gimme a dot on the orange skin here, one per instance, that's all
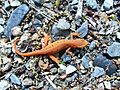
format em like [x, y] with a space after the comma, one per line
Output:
[54, 47]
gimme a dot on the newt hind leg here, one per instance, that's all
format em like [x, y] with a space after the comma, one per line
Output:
[47, 38]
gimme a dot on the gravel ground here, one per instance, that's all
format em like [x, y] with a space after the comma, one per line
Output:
[93, 67]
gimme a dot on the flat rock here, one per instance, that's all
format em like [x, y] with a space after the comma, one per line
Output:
[4, 85]
[57, 32]
[14, 79]
[15, 19]
[83, 29]
[107, 85]
[92, 3]
[85, 61]
[63, 24]
[118, 35]
[114, 50]
[14, 3]
[105, 63]
[92, 45]
[97, 72]
[107, 4]
[1, 29]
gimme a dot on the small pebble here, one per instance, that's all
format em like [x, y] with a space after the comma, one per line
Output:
[118, 35]
[107, 85]
[16, 31]
[92, 45]
[66, 58]
[1, 29]
[14, 3]
[114, 50]
[70, 69]
[38, 2]
[92, 3]
[63, 24]
[40, 84]
[85, 61]
[97, 72]
[4, 85]
[19, 60]
[35, 36]
[14, 79]
[53, 70]
[107, 5]
[6, 60]
[6, 67]
[100, 86]
[83, 29]
[56, 32]
[2, 21]
[48, 5]
[37, 23]
[27, 82]
[52, 77]
[6, 4]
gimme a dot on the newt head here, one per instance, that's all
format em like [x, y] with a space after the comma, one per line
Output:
[78, 43]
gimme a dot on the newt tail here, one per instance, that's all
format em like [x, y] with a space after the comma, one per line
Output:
[53, 47]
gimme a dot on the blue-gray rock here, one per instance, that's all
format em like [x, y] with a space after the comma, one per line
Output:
[63, 24]
[14, 79]
[105, 63]
[92, 3]
[15, 19]
[85, 61]
[37, 23]
[97, 72]
[66, 58]
[38, 2]
[74, 76]
[114, 50]
[107, 4]
[56, 32]
[92, 45]
[83, 30]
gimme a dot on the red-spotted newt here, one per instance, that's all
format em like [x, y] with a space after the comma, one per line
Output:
[53, 47]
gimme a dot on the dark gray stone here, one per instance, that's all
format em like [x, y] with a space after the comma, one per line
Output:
[105, 63]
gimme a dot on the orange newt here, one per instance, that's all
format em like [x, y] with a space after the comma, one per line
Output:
[53, 47]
